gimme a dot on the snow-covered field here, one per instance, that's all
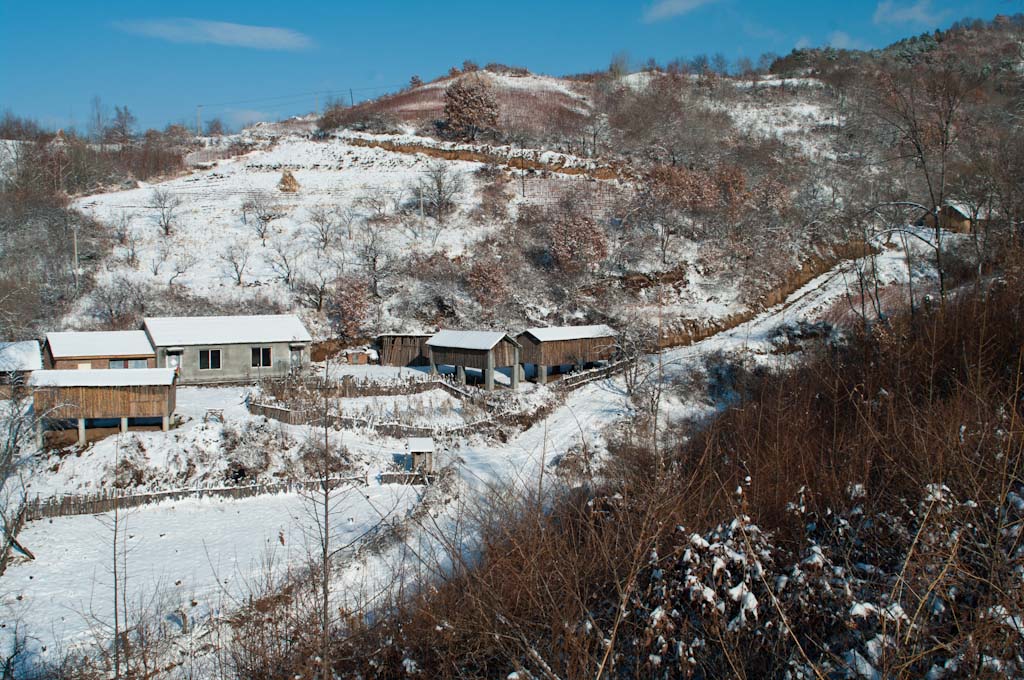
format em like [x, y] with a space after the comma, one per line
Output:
[191, 557]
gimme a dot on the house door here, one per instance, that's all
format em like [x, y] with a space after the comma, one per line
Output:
[173, 361]
[296, 359]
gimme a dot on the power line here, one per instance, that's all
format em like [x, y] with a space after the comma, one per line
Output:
[339, 91]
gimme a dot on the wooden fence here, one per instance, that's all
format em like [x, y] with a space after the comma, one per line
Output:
[576, 380]
[107, 501]
[10, 539]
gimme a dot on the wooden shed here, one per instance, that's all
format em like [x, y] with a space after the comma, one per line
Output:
[560, 345]
[957, 217]
[98, 349]
[482, 350]
[117, 393]
[403, 349]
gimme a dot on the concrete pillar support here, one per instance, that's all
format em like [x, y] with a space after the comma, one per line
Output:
[542, 374]
[81, 431]
[124, 424]
[515, 370]
[165, 423]
[489, 372]
[39, 434]
[460, 374]
[430, 356]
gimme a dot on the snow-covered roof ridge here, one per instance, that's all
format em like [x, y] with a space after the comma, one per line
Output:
[109, 377]
[171, 331]
[556, 333]
[68, 344]
[478, 340]
[20, 356]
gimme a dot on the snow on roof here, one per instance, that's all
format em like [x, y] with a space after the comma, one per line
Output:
[99, 344]
[226, 330]
[466, 339]
[103, 377]
[419, 444]
[20, 356]
[556, 333]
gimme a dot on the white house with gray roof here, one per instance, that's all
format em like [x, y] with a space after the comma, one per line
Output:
[225, 349]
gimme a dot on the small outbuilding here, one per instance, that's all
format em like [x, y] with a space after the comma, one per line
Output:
[18, 360]
[482, 350]
[146, 395]
[561, 345]
[98, 349]
[225, 349]
[421, 453]
[957, 217]
[403, 349]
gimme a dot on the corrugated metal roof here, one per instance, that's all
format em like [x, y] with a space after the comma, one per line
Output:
[103, 377]
[226, 330]
[99, 344]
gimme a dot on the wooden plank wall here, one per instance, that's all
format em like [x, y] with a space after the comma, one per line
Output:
[504, 355]
[403, 350]
[553, 353]
[105, 402]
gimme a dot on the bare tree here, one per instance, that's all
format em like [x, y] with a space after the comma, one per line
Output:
[236, 260]
[326, 224]
[315, 282]
[184, 260]
[926, 110]
[438, 191]
[284, 258]
[261, 205]
[376, 257]
[166, 205]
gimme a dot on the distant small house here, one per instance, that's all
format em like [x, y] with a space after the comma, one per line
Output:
[560, 345]
[98, 349]
[482, 350]
[403, 349]
[145, 396]
[958, 217]
[219, 349]
[17, 362]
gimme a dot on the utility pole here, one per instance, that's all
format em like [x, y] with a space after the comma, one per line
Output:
[74, 242]
[199, 119]
[351, 98]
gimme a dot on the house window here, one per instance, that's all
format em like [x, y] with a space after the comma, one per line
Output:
[209, 359]
[127, 363]
[261, 357]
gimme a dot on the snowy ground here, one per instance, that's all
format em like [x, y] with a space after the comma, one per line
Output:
[199, 557]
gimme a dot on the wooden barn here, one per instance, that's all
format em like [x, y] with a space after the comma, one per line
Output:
[957, 217]
[98, 349]
[561, 345]
[123, 394]
[481, 350]
[18, 360]
[403, 349]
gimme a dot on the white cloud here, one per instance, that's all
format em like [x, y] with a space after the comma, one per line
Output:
[803, 42]
[919, 12]
[841, 40]
[666, 9]
[218, 33]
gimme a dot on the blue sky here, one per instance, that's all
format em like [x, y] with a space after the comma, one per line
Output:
[253, 59]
